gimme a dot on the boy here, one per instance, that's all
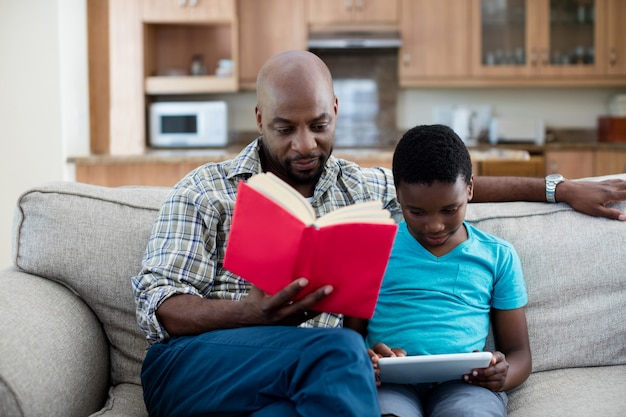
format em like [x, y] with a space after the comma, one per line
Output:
[444, 282]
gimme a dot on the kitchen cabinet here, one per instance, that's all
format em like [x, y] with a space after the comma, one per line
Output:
[609, 161]
[534, 167]
[616, 43]
[144, 49]
[262, 29]
[353, 12]
[435, 45]
[188, 11]
[570, 163]
[555, 40]
[177, 32]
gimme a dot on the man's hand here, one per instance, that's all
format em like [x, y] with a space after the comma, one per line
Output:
[259, 308]
[591, 197]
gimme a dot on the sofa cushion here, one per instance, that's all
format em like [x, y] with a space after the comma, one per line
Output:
[41, 324]
[574, 270]
[125, 400]
[583, 392]
[92, 240]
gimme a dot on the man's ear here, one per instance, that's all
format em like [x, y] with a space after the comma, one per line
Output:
[259, 119]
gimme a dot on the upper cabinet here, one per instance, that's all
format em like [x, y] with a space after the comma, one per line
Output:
[435, 45]
[359, 12]
[513, 43]
[190, 46]
[263, 26]
[557, 40]
[188, 11]
[616, 43]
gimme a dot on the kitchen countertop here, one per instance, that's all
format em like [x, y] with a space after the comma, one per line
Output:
[482, 151]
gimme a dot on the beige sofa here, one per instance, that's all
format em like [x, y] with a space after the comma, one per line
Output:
[70, 346]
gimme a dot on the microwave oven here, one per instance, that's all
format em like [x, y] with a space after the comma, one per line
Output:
[188, 124]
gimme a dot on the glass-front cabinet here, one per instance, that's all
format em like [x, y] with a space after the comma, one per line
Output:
[540, 38]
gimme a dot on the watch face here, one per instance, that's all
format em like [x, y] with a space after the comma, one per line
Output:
[554, 177]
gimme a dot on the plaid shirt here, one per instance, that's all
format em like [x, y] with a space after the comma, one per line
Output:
[188, 241]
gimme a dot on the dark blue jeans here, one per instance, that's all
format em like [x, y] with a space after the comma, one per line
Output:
[261, 371]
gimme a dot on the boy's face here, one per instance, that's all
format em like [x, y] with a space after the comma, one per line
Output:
[435, 213]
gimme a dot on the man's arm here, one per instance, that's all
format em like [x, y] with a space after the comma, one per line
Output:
[589, 197]
[187, 314]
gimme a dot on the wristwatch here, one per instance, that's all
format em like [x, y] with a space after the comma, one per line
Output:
[552, 181]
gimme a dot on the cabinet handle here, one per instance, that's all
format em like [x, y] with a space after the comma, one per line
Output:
[359, 4]
[348, 5]
[533, 57]
[613, 57]
[193, 3]
[182, 3]
[406, 58]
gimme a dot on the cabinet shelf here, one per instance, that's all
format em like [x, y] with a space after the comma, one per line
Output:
[190, 85]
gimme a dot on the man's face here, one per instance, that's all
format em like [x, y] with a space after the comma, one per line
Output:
[435, 213]
[298, 128]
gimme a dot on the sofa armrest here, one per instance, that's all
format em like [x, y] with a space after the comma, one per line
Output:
[52, 347]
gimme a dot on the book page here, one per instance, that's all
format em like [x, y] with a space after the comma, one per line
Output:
[366, 212]
[283, 194]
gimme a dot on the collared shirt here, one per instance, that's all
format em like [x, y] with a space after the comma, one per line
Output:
[186, 249]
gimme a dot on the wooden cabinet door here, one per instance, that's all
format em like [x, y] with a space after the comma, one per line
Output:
[616, 43]
[325, 12]
[329, 11]
[539, 39]
[266, 28]
[610, 162]
[502, 34]
[375, 11]
[188, 11]
[435, 42]
[570, 163]
[572, 37]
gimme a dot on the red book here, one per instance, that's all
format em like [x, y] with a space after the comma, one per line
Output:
[275, 239]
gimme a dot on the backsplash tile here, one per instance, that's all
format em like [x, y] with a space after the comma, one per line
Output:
[366, 84]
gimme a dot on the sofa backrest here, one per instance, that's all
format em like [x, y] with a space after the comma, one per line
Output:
[92, 240]
[575, 271]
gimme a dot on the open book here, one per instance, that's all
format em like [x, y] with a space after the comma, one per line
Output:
[275, 238]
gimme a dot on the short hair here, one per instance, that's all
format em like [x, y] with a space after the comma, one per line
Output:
[430, 153]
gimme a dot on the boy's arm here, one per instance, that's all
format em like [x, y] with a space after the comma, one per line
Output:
[512, 362]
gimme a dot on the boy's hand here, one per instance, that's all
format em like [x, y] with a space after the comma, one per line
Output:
[493, 377]
[381, 350]
[374, 357]
[384, 351]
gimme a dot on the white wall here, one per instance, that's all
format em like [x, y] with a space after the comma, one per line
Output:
[43, 98]
[559, 107]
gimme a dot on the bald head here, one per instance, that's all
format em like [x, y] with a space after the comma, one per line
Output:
[298, 72]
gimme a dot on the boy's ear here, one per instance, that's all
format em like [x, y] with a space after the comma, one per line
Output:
[470, 189]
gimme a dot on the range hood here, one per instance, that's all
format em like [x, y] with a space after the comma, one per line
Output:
[354, 40]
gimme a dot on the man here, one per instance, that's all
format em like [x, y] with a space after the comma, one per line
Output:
[223, 347]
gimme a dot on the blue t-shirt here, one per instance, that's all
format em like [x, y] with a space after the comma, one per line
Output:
[433, 305]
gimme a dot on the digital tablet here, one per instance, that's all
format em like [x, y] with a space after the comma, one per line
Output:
[430, 368]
